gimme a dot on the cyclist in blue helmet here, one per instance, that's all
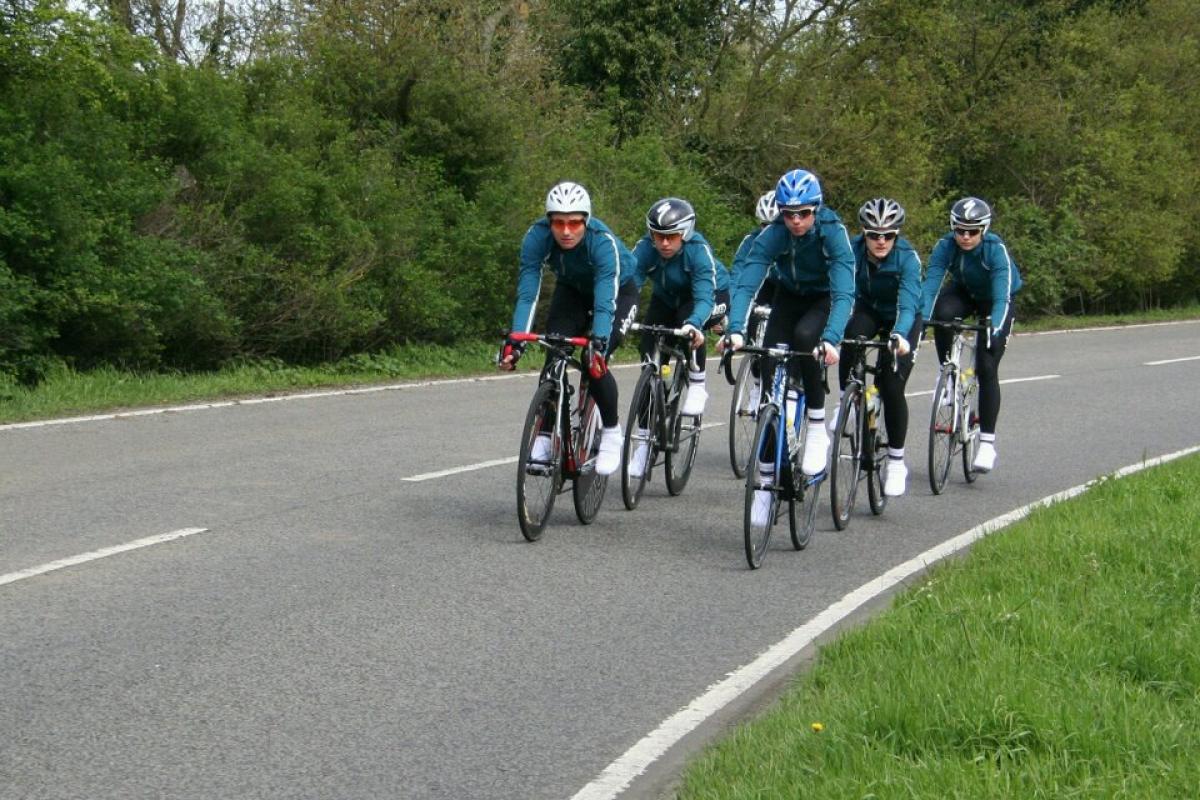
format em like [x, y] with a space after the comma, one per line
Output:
[888, 300]
[593, 270]
[982, 279]
[809, 249]
[690, 290]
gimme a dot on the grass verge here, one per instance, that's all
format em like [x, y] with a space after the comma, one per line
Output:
[66, 391]
[1060, 659]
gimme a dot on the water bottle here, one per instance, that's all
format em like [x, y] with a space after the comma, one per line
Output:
[791, 405]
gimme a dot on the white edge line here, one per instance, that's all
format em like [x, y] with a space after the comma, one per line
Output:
[252, 401]
[618, 775]
[13, 577]
[456, 470]
[1169, 361]
[1003, 382]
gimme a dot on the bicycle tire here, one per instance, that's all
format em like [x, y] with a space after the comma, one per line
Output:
[742, 421]
[588, 487]
[875, 458]
[846, 458]
[642, 407]
[538, 483]
[683, 434]
[757, 537]
[804, 522]
[970, 427]
[941, 432]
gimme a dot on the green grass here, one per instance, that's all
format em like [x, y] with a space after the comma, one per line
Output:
[65, 391]
[1056, 323]
[1061, 659]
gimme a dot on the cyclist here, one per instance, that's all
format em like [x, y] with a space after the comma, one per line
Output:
[690, 290]
[888, 300]
[589, 262]
[814, 272]
[765, 211]
[982, 281]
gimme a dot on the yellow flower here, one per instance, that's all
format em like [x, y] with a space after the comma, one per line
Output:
[817, 727]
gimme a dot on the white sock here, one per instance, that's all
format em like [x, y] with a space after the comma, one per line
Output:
[896, 452]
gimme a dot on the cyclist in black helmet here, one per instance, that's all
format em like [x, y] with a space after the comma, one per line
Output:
[982, 281]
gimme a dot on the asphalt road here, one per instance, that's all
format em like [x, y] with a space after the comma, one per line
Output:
[339, 632]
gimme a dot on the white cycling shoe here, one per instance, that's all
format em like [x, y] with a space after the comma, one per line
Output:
[641, 454]
[697, 398]
[608, 460]
[985, 458]
[816, 448]
[897, 475]
[540, 451]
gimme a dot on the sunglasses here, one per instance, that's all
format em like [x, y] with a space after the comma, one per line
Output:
[560, 224]
[799, 213]
[876, 236]
[967, 233]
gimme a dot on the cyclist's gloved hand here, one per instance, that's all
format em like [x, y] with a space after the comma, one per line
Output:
[826, 353]
[510, 352]
[900, 345]
[695, 337]
[730, 341]
[597, 360]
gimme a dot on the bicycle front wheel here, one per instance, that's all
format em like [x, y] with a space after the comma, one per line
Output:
[743, 415]
[684, 436]
[941, 430]
[639, 450]
[761, 509]
[589, 487]
[847, 456]
[539, 465]
[969, 425]
[803, 520]
[875, 460]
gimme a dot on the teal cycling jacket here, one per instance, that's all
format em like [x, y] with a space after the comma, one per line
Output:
[694, 273]
[893, 287]
[988, 274]
[597, 265]
[819, 262]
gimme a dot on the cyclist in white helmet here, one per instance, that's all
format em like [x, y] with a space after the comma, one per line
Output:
[981, 279]
[765, 211]
[592, 267]
[888, 281]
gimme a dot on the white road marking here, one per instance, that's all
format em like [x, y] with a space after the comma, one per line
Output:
[497, 462]
[13, 577]
[1169, 361]
[1003, 382]
[618, 775]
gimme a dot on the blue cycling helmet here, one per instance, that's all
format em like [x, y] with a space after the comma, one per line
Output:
[798, 188]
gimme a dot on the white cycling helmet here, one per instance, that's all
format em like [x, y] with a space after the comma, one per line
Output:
[881, 214]
[566, 197]
[765, 209]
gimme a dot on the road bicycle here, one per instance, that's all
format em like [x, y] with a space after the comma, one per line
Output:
[654, 419]
[778, 450]
[561, 437]
[954, 417]
[743, 408]
[859, 437]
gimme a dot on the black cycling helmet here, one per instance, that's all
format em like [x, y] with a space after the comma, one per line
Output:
[672, 215]
[972, 213]
[881, 215]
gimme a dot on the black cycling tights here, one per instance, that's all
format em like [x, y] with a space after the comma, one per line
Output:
[868, 323]
[955, 303]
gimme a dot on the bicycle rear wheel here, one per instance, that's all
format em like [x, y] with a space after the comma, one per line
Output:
[589, 487]
[684, 436]
[758, 532]
[847, 456]
[641, 429]
[969, 425]
[875, 458]
[941, 430]
[743, 415]
[539, 479]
